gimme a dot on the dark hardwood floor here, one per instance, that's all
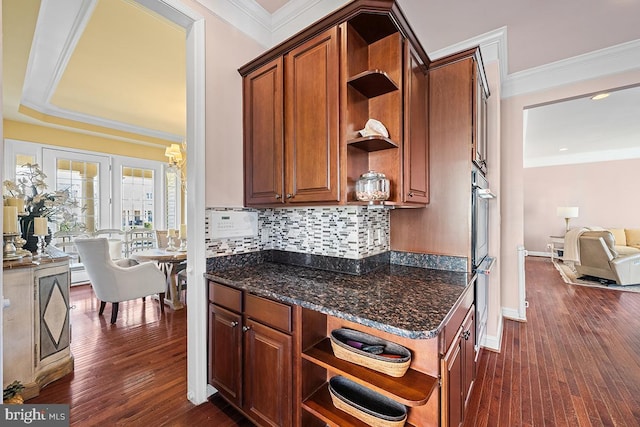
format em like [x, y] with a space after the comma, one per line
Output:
[575, 362]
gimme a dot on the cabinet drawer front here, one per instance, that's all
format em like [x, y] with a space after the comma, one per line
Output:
[225, 296]
[268, 312]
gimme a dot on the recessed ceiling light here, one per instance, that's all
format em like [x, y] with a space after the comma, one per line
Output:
[564, 149]
[600, 96]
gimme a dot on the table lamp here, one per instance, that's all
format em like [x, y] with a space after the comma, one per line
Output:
[568, 212]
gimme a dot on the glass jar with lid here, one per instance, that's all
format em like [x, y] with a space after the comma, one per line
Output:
[372, 187]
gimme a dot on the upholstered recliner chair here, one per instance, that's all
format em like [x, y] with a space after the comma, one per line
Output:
[598, 258]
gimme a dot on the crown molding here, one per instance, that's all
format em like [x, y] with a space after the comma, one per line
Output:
[592, 65]
[247, 16]
[493, 47]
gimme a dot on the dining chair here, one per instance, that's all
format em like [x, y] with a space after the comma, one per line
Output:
[116, 282]
[139, 239]
[162, 242]
[116, 239]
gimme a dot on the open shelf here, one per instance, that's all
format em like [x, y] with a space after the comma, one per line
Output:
[372, 83]
[372, 26]
[321, 405]
[372, 143]
[412, 389]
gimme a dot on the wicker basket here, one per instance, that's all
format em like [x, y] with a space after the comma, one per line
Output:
[393, 366]
[365, 404]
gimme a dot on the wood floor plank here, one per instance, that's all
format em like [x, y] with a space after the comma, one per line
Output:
[579, 358]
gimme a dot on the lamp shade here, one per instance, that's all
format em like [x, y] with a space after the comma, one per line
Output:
[568, 212]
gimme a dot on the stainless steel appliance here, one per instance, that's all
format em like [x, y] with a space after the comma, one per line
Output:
[481, 262]
[480, 217]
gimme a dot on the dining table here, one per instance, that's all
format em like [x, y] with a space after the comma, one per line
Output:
[169, 261]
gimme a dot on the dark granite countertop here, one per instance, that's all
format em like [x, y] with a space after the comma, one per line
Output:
[406, 301]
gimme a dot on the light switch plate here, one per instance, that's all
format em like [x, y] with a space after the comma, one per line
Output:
[233, 224]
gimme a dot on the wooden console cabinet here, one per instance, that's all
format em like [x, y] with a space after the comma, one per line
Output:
[36, 328]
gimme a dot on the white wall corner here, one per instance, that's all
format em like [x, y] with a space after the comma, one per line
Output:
[596, 64]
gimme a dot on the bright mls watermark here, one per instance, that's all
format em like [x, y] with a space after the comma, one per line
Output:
[35, 415]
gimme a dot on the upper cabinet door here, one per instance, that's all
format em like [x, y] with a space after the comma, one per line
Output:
[416, 143]
[263, 134]
[311, 120]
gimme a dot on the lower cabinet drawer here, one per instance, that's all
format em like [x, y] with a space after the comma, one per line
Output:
[271, 313]
[225, 296]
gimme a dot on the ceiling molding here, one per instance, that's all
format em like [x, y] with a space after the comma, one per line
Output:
[60, 26]
[493, 47]
[588, 157]
[247, 16]
[596, 64]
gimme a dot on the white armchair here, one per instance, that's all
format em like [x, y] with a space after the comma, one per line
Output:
[114, 283]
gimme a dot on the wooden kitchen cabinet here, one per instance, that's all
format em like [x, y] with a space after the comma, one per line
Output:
[291, 139]
[416, 143]
[263, 134]
[311, 120]
[225, 353]
[458, 372]
[268, 374]
[251, 354]
[306, 99]
[453, 132]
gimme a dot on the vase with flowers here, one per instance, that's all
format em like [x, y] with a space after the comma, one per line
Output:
[57, 206]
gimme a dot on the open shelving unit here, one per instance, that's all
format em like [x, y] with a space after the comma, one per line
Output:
[373, 79]
[416, 389]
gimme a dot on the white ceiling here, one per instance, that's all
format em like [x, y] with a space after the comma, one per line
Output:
[532, 35]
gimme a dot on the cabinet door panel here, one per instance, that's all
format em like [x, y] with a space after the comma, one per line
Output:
[268, 373]
[469, 339]
[452, 370]
[311, 120]
[225, 353]
[263, 134]
[416, 145]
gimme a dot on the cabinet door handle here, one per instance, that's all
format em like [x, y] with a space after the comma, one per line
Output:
[410, 193]
[278, 197]
[234, 324]
[246, 328]
[289, 196]
[466, 335]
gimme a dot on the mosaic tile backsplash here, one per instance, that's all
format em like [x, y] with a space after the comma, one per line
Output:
[352, 232]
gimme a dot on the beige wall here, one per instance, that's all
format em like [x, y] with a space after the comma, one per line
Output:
[604, 191]
[513, 186]
[227, 48]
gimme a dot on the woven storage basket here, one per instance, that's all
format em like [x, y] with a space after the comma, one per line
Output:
[366, 405]
[395, 367]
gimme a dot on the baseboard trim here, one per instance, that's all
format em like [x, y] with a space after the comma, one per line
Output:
[494, 343]
[512, 314]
